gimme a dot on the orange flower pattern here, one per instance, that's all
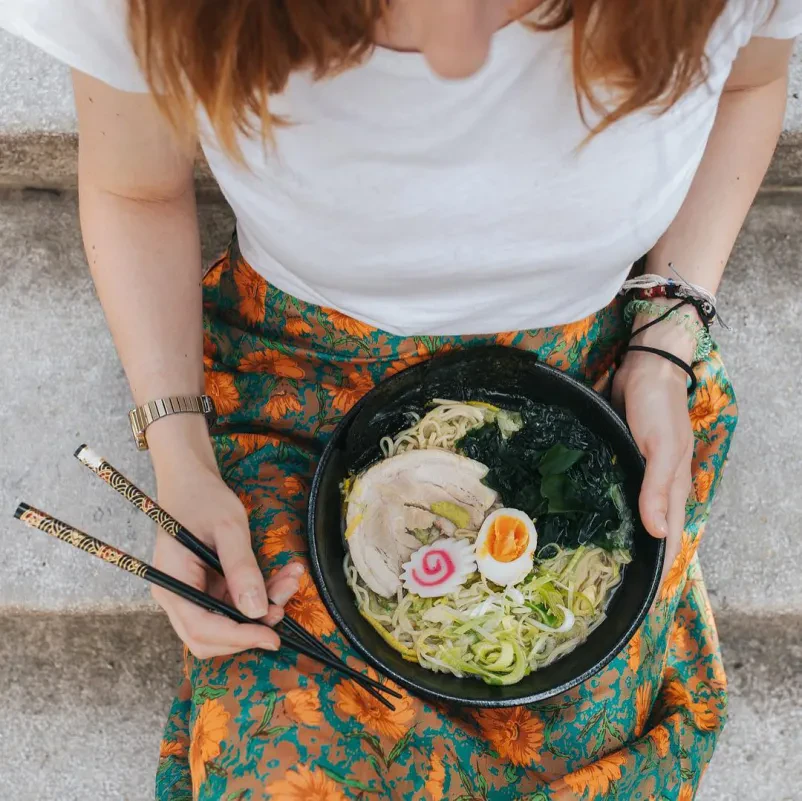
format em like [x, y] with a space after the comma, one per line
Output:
[710, 402]
[303, 706]
[308, 610]
[344, 324]
[515, 733]
[281, 403]
[210, 729]
[643, 706]
[252, 289]
[296, 327]
[220, 387]
[573, 332]
[661, 739]
[303, 784]
[702, 712]
[272, 362]
[675, 577]
[282, 727]
[249, 442]
[293, 485]
[633, 652]
[281, 539]
[702, 484]
[172, 748]
[356, 384]
[597, 778]
[435, 778]
[422, 351]
[353, 702]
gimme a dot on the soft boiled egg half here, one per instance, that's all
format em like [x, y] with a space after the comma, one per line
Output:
[505, 547]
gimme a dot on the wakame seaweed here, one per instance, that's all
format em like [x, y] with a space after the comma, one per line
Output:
[558, 472]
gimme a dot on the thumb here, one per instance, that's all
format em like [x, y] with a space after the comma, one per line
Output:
[243, 578]
[661, 468]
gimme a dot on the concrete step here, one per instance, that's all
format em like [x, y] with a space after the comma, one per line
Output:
[62, 385]
[86, 696]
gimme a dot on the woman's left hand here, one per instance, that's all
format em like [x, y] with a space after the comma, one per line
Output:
[652, 393]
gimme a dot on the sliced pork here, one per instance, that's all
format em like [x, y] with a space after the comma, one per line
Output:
[394, 498]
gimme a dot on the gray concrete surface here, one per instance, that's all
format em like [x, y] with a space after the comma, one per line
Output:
[85, 698]
[752, 543]
[61, 385]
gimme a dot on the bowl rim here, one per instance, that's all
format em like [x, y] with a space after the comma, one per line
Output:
[445, 697]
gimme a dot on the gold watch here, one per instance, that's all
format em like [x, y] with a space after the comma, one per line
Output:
[141, 417]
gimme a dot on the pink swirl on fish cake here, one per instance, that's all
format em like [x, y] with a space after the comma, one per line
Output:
[440, 568]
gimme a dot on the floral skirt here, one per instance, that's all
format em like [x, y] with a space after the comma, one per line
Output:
[258, 725]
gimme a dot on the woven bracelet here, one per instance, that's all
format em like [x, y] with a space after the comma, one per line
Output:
[704, 342]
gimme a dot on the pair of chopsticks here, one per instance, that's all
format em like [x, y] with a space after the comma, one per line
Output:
[294, 636]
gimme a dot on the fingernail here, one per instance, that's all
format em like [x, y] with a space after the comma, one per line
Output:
[252, 603]
[295, 569]
[269, 646]
[282, 596]
[275, 614]
[662, 527]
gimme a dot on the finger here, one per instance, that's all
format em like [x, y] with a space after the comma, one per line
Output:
[209, 635]
[676, 518]
[243, 577]
[285, 583]
[662, 460]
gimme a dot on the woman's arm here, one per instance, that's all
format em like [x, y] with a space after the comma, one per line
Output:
[141, 237]
[140, 230]
[698, 244]
[748, 124]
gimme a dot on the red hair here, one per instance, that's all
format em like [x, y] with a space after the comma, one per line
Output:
[231, 55]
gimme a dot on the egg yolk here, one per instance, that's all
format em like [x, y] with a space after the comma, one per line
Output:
[507, 539]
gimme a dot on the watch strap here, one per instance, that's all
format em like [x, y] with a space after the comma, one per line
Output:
[143, 416]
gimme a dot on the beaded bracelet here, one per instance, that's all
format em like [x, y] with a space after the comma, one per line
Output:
[672, 291]
[647, 286]
[704, 343]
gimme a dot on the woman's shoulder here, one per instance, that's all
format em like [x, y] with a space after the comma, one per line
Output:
[88, 35]
[775, 19]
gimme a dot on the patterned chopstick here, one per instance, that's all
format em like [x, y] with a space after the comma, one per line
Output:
[108, 553]
[104, 470]
[118, 482]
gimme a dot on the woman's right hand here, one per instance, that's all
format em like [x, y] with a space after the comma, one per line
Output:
[190, 488]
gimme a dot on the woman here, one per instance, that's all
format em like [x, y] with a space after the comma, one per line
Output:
[411, 177]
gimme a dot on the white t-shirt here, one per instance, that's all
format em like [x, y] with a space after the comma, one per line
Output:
[425, 206]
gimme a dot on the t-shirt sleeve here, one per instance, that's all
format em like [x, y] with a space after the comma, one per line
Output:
[88, 35]
[779, 19]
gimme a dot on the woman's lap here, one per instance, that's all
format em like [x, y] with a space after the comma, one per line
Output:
[262, 726]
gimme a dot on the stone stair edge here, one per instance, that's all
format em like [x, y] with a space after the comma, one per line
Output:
[50, 160]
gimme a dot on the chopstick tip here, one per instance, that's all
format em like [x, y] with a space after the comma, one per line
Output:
[21, 509]
[90, 458]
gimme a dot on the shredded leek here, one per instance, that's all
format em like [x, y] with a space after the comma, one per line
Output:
[498, 635]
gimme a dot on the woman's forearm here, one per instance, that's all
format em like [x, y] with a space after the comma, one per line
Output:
[699, 241]
[146, 263]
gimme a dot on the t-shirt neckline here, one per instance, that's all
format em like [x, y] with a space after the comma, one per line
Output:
[507, 45]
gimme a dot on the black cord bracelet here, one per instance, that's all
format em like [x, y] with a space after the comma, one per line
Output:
[673, 359]
[659, 319]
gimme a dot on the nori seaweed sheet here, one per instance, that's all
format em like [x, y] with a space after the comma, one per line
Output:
[558, 472]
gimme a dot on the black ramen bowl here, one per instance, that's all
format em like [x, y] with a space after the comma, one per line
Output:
[508, 378]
